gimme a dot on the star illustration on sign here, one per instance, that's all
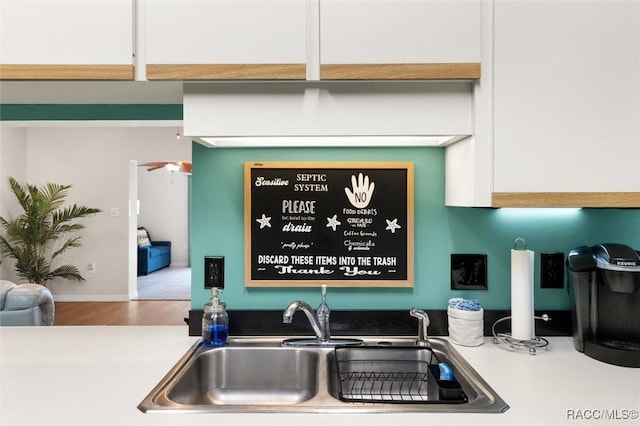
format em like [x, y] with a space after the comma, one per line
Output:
[333, 222]
[392, 225]
[264, 221]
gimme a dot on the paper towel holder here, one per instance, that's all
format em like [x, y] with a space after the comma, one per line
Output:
[505, 341]
[515, 244]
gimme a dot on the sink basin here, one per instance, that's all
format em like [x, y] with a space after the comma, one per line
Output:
[406, 374]
[240, 376]
[258, 374]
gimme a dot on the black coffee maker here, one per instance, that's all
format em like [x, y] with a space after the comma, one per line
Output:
[604, 291]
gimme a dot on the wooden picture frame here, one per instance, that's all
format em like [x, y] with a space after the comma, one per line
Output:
[343, 224]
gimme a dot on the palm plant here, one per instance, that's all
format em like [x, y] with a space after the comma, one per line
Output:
[30, 238]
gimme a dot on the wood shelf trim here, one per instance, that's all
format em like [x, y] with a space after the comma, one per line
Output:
[226, 71]
[430, 71]
[566, 199]
[65, 72]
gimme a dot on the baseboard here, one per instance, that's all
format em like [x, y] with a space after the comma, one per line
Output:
[179, 265]
[90, 298]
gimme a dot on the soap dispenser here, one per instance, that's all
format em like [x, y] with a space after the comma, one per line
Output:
[215, 321]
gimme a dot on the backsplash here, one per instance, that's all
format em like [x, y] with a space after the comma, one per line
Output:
[217, 229]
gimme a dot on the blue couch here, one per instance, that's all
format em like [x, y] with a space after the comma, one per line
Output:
[152, 255]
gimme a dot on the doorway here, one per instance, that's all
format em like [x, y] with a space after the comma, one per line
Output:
[161, 205]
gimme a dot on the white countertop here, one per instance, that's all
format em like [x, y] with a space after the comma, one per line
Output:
[98, 375]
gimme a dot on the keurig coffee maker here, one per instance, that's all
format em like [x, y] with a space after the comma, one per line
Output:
[604, 290]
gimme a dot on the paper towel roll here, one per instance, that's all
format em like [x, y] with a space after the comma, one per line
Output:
[522, 321]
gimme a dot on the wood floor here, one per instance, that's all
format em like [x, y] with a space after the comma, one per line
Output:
[138, 312]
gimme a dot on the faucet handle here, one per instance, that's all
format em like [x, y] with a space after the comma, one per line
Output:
[323, 308]
[323, 313]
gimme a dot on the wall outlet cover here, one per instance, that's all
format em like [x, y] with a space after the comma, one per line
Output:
[552, 270]
[214, 271]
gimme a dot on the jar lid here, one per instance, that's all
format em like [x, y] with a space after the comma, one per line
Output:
[219, 307]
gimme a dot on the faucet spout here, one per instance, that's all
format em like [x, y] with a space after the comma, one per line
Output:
[319, 320]
[298, 305]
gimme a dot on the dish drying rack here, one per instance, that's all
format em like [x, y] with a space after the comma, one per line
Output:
[384, 386]
[399, 375]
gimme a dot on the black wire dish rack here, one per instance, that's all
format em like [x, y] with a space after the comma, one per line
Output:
[393, 375]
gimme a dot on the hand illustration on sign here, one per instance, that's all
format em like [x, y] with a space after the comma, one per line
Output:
[362, 191]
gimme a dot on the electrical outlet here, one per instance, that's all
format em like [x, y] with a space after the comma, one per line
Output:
[214, 271]
[91, 267]
[552, 270]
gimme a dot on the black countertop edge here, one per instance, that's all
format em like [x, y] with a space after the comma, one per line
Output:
[370, 323]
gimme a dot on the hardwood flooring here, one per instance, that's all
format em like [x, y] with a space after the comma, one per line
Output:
[136, 312]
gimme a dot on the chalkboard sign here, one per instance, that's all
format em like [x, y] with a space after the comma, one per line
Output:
[340, 224]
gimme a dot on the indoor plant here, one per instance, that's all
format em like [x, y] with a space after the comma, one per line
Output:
[43, 232]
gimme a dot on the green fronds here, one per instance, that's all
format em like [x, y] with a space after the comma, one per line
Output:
[30, 238]
[72, 242]
[68, 272]
[72, 212]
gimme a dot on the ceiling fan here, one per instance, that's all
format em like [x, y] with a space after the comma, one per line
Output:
[172, 166]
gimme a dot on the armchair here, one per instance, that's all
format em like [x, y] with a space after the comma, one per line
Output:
[25, 304]
[152, 255]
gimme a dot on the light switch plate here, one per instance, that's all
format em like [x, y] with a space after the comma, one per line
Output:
[469, 272]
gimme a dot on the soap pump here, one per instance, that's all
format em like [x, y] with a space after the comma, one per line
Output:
[215, 321]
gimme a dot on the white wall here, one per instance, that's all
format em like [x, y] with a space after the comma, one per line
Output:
[13, 161]
[96, 162]
[164, 209]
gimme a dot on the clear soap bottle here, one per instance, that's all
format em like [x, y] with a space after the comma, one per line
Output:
[215, 321]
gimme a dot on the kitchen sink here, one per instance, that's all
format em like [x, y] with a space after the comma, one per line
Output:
[241, 376]
[259, 374]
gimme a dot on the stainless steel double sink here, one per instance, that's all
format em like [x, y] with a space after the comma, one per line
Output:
[254, 374]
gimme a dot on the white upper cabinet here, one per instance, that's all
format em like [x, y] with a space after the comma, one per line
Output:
[225, 39]
[242, 39]
[66, 39]
[400, 39]
[314, 39]
[567, 103]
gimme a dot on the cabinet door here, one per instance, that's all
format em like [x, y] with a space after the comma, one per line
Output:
[225, 39]
[567, 103]
[399, 39]
[66, 39]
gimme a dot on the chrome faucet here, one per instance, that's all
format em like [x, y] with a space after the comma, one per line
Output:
[423, 323]
[319, 320]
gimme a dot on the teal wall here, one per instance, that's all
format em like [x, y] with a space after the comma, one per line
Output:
[80, 112]
[217, 222]
[217, 230]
